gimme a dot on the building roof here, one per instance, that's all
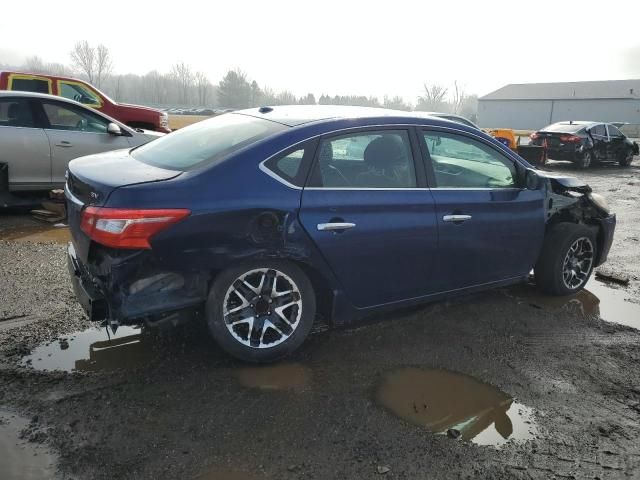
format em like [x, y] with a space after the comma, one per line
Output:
[606, 89]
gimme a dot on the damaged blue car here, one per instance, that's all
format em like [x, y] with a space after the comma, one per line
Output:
[262, 219]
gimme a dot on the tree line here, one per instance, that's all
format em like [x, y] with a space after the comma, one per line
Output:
[184, 87]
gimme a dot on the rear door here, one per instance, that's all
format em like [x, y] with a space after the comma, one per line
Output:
[489, 228]
[23, 145]
[368, 211]
[73, 132]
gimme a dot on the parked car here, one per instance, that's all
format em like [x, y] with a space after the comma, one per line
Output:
[586, 143]
[263, 217]
[134, 116]
[40, 134]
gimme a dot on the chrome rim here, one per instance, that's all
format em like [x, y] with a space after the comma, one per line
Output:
[577, 263]
[262, 308]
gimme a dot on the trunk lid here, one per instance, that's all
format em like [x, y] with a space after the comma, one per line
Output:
[92, 179]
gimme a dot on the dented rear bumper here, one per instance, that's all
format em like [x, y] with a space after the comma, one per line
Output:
[132, 288]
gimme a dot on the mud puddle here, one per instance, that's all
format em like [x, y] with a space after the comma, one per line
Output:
[597, 300]
[37, 234]
[94, 349]
[443, 401]
[291, 376]
[21, 460]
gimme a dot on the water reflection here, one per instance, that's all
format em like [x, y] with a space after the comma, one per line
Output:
[92, 350]
[597, 300]
[440, 400]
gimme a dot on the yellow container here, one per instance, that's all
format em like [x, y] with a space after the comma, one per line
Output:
[505, 136]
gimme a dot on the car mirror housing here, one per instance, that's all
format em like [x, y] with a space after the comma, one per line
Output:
[531, 180]
[114, 129]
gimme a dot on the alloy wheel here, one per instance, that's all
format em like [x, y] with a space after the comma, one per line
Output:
[577, 263]
[262, 308]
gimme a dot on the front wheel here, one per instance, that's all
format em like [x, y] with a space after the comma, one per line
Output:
[625, 159]
[262, 311]
[567, 259]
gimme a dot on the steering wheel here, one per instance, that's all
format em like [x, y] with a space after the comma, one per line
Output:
[77, 97]
[82, 124]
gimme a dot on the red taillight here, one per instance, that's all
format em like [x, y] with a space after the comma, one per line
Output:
[127, 228]
[534, 136]
[570, 139]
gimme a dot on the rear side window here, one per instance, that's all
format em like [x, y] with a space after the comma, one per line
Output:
[598, 130]
[206, 141]
[16, 112]
[30, 85]
[292, 166]
[375, 159]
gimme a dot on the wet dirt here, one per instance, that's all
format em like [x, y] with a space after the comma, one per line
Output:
[442, 400]
[19, 459]
[36, 234]
[597, 300]
[291, 376]
[93, 349]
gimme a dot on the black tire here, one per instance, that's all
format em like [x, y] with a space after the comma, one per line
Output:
[550, 268]
[625, 159]
[234, 343]
[586, 160]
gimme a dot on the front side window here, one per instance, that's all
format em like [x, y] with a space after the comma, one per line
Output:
[377, 159]
[79, 93]
[206, 141]
[16, 112]
[462, 162]
[28, 84]
[69, 117]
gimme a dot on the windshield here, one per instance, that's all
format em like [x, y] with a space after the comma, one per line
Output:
[205, 141]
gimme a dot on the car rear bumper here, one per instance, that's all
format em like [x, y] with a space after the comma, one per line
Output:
[134, 288]
[605, 237]
[89, 297]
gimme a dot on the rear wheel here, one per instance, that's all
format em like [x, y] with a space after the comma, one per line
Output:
[567, 259]
[585, 160]
[262, 311]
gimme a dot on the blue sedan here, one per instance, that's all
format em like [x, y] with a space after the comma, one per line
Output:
[260, 219]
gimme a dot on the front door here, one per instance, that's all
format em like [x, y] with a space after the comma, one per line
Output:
[490, 229]
[73, 132]
[600, 141]
[616, 149]
[371, 218]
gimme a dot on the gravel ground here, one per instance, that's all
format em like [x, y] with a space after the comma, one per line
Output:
[176, 407]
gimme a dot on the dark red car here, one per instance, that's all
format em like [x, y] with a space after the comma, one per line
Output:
[134, 116]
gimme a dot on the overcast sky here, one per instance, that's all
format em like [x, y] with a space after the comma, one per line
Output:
[342, 47]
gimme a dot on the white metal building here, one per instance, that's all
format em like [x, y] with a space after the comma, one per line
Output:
[530, 106]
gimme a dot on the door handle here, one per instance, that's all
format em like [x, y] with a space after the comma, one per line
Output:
[456, 218]
[331, 227]
[64, 144]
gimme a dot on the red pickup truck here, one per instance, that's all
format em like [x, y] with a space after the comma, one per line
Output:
[134, 116]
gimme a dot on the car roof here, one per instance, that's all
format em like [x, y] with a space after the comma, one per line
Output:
[18, 93]
[294, 115]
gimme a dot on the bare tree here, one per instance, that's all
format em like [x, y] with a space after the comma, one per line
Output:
[103, 64]
[203, 87]
[182, 73]
[433, 98]
[83, 58]
[459, 96]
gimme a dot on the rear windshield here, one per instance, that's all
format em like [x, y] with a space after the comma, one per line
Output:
[564, 128]
[205, 141]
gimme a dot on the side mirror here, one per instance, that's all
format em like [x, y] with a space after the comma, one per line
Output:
[114, 129]
[531, 180]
